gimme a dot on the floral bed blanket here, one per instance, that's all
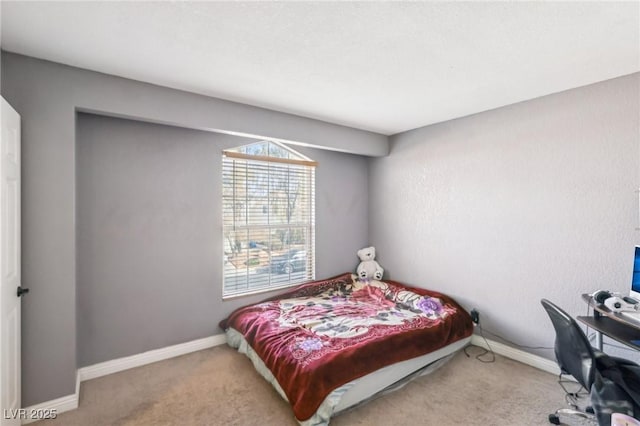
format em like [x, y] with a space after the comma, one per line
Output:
[323, 334]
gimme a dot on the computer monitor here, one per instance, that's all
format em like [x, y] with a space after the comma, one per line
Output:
[635, 281]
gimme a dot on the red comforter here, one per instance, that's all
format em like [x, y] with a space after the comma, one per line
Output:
[323, 334]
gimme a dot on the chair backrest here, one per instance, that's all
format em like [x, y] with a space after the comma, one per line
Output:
[574, 353]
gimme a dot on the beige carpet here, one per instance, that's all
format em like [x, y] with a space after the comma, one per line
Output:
[219, 386]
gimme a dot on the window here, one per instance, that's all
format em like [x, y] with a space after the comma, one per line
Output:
[268, 218]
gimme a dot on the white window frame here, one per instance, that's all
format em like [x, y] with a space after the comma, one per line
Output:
[274, 263]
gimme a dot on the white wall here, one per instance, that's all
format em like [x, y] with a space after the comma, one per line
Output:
[503, 208]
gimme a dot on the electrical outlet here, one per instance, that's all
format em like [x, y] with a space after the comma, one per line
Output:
[475, 316]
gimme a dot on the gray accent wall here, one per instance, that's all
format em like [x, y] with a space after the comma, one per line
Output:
[47, 96]
[503, 208]
[149, 239]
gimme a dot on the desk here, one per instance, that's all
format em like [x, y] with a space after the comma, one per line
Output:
[616, 326]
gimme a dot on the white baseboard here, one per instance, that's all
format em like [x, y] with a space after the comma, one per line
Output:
[70, 402]
[517, 355]
[121, 364]
[57, 406]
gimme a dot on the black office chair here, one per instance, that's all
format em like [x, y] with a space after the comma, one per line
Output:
[613, 383]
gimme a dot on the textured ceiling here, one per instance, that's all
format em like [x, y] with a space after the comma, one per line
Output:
[380, 66]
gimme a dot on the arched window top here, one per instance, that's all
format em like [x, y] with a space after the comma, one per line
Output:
[267, 150]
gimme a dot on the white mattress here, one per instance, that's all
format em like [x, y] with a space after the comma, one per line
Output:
[361, 389]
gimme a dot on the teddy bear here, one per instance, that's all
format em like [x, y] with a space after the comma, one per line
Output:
[368, 267]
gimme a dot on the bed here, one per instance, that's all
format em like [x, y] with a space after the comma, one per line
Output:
[331, 344]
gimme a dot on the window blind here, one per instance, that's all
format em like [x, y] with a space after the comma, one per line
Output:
[268, 223]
